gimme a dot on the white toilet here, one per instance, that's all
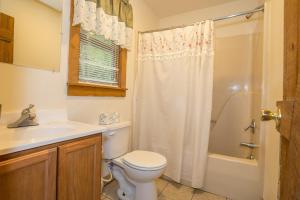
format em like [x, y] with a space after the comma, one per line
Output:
[135, 171]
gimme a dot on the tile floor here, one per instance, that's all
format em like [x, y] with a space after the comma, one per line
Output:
[166, 191]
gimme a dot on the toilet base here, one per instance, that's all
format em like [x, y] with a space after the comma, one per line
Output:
[146, 191]
[131, 190]
[126, 190]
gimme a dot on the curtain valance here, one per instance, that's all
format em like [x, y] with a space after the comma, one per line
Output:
[111, 18]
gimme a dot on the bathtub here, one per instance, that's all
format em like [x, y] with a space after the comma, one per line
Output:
[236, 178]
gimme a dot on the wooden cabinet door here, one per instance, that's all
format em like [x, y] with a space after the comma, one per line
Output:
[79, 170]
[29, 177]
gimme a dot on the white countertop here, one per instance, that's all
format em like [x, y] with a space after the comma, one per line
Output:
[54, 127]
[48, 132]
[19, 139]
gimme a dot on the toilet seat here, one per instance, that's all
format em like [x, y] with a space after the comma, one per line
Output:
[144, 160]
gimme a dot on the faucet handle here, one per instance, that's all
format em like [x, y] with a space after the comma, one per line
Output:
[252, 126]
[27, 110]
[30, 106]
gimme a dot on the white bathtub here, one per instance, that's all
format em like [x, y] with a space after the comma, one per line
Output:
[236, 178]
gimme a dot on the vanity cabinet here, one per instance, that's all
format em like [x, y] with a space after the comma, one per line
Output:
[64, 171]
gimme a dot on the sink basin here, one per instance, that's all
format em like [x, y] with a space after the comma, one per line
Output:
[35, 133]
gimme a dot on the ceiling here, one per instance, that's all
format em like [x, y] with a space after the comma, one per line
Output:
[165, 8]
[55, 4]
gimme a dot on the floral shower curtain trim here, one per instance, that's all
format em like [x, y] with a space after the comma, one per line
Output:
[187, 41]
[111, 18]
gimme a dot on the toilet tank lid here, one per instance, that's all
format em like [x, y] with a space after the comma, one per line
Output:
[116, 126]
[145, 160]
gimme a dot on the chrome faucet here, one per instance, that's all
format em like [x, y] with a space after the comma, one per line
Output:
[27, 119]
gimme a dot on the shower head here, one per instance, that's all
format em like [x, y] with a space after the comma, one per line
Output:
[251, 14]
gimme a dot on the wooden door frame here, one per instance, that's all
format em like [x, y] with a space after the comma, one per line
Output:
[290, 106]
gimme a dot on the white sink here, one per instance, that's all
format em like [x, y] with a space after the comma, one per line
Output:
[13, 140]
[34, 133]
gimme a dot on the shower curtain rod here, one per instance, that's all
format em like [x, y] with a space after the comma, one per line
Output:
[258, 9]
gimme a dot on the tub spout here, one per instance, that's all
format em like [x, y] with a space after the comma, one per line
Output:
[249, 145]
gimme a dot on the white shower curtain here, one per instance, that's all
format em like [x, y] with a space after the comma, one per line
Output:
[173, 98]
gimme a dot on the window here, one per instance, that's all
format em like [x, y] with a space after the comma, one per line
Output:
[97, 67]
[98, 60]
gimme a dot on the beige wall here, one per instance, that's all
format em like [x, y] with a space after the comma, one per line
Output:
[47, 90]
[37, 33]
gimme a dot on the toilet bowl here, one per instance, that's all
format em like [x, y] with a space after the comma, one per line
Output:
[140, 169]
[134, 171]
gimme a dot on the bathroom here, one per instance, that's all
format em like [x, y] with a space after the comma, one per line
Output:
[236, 156]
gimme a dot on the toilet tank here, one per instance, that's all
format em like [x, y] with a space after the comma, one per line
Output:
[116, 140]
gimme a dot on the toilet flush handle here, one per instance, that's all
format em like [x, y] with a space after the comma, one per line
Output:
[111, 133]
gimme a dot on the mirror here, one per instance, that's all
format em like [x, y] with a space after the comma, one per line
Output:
[30, 33]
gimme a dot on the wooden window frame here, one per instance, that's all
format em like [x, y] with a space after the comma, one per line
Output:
[77, 88]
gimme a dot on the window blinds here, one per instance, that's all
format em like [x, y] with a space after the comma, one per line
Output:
[99, 60]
